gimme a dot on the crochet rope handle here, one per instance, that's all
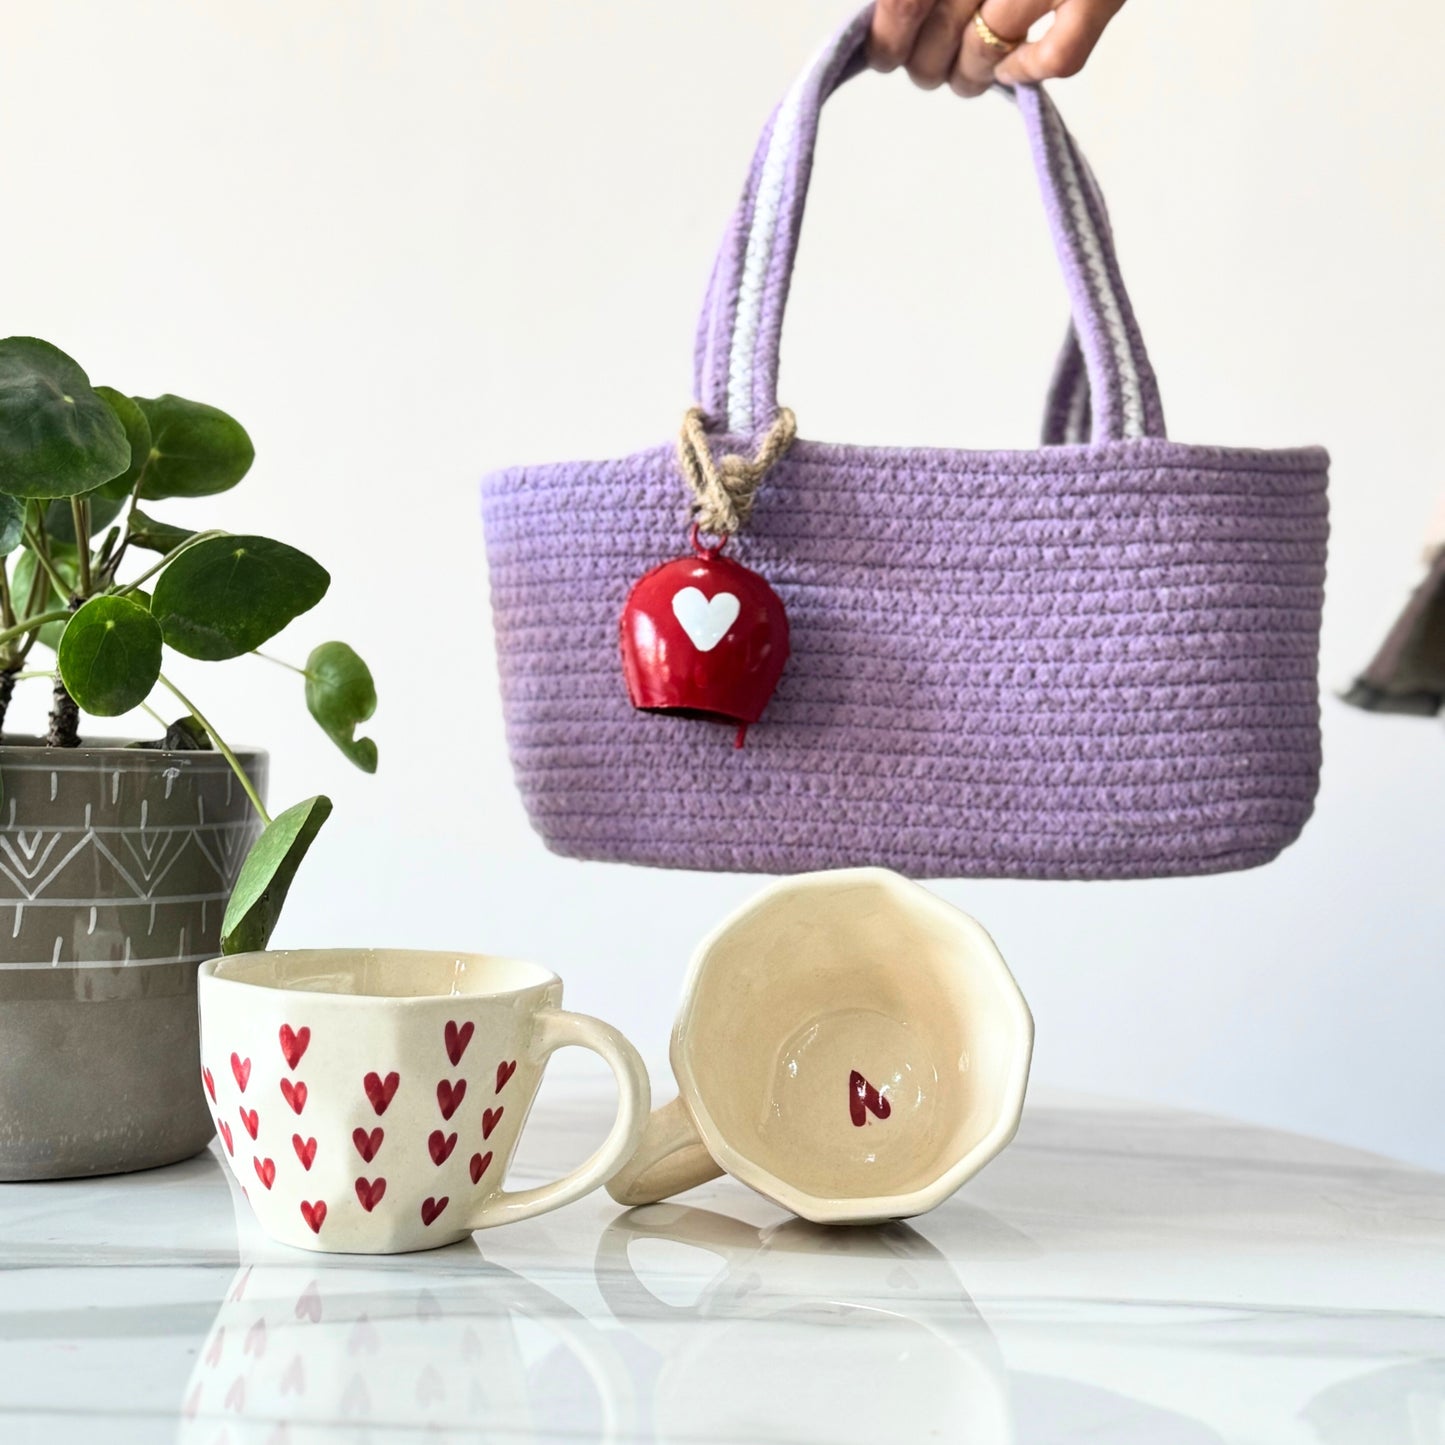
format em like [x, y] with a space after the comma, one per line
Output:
[1067, 411]
[736, 357]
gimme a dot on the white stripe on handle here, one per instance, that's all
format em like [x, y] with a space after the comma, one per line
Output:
[1130, 393]
[759, 254]
[736, 364]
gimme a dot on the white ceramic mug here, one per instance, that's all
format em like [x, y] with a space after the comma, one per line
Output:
[849, 1045]
[369, 1101]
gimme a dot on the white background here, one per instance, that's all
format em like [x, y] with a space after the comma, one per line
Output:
[408, 243]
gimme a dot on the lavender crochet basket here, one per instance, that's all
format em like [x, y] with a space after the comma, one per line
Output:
[1093, 660]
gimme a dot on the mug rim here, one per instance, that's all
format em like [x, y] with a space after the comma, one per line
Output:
[215, 970]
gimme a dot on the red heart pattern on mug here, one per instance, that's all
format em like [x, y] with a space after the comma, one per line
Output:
[367, 1144]
[293, 1044]
[864, 1099]
[381, 1091]
[457, 1040]
[450, 1096]
[370, 1192]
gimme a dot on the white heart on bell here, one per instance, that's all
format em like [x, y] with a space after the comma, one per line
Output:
[705, 622]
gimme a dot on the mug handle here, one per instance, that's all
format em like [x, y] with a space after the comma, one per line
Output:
[670, 1158]
[558, 1030]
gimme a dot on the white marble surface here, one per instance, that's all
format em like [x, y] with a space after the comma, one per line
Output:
[1119, 1275]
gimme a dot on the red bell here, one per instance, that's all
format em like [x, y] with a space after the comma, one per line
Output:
[704, 637]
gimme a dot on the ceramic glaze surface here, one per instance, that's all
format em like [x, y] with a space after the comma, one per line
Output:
[1121, 1275]
[368, 1101]
[849, 1045]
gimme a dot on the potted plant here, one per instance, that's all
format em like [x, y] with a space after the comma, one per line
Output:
[124, 864]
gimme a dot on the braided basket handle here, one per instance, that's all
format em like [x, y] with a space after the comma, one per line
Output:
[741, 325]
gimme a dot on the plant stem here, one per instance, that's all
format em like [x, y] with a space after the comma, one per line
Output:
[135, 491]
[7, 606]
[167, 560]
[113, 565]
[39, 589]
[64, 718]
[80, 516]
[281, 662]
[42, 555]
[7, 691]
[220, 745]
[34, 624]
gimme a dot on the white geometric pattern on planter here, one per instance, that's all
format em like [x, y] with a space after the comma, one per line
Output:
[116, 857]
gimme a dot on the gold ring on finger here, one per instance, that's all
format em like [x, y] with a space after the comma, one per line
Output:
[991, 38]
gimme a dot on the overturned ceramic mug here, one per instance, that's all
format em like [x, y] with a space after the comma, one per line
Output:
[369, 1101]
[849, 1045]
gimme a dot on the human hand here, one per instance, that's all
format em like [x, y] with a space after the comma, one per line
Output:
[942, 40]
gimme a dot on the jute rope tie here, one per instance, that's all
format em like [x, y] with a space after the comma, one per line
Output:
[724, 488]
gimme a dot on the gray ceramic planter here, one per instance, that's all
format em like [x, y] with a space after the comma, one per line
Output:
[115, 867]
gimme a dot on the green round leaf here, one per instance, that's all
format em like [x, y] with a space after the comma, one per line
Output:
[340, 693]
[266, 876]
[228, 595]
[137, 433]
[196, 450]
[12, 523]
[57, 437]
[110, 655]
